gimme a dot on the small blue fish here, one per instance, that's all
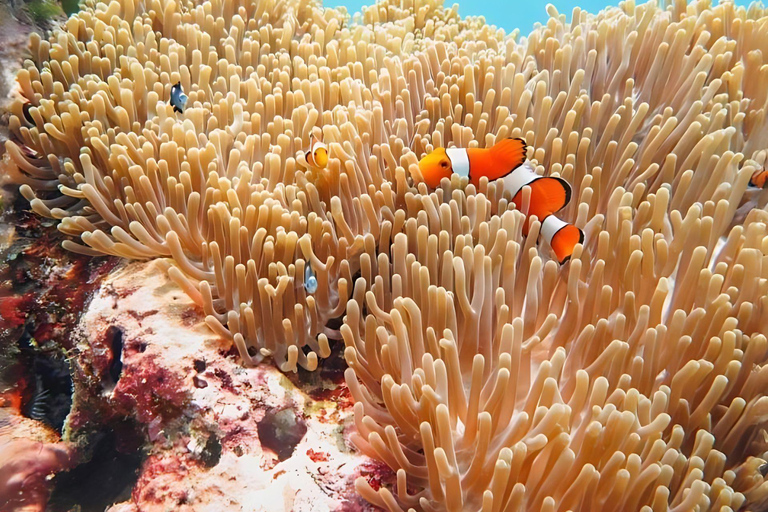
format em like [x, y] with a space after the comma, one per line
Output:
[310, 280]
[178, 98]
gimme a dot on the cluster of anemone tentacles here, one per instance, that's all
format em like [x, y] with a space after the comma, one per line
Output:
[484, 374]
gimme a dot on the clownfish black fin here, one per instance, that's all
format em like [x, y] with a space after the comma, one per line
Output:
[566, 189]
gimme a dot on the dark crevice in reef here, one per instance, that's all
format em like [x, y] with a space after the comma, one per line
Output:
[335, 323]
[43, 291]
[211, 452]
[325, 382]
[48, 394]
[199, 365]
[280, 431]
[114, 339]
[108, 477]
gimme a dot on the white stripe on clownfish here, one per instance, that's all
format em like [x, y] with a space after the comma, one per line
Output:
[459, 161]
[561, 236]
[520, 177]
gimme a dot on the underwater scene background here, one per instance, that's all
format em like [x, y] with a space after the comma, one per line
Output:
[263, 255]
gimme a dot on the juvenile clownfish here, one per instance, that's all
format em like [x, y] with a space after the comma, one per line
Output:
[310, 279]
[178, 98]
[317, 154]
[760, 178]
[26, 110]
[507, 160]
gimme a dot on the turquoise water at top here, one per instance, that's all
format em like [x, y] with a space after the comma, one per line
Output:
[506, 14]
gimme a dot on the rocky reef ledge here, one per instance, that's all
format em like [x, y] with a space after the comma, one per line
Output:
[163, 415]
[220, 436]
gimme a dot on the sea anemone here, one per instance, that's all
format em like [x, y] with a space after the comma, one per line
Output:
[222, 190]
[487, 376]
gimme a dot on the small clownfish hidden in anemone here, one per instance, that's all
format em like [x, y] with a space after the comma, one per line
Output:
[507, 160]
[759, 179]
[178, 98]
[310, 279]
[317, 154]
[26, 110]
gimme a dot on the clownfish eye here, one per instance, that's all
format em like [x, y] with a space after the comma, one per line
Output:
[444, 164]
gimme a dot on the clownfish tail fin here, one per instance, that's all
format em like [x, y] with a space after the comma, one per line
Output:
[562, 237]
[511, 151]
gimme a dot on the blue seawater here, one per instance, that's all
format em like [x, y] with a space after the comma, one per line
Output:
[507, 14]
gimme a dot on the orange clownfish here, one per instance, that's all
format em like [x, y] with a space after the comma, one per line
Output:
[507, 160]
[317, 154]
[759, 179]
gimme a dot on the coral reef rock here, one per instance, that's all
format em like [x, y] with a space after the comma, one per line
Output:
[218, 436]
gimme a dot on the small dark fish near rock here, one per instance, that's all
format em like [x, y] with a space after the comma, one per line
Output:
[39, 406]
[310, 279]
[178, 98]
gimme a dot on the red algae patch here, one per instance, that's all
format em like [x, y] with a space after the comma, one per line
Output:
[159, 483]
[149, 390]
[13, 310]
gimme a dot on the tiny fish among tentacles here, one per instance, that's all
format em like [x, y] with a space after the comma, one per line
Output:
[759, 179]
[507, 160]
[178, 98]
[317, 154]
[310, 279]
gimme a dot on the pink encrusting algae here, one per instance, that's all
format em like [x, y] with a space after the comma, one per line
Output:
[486, 375]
